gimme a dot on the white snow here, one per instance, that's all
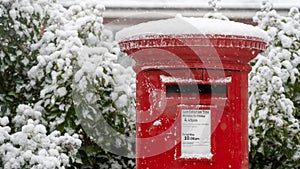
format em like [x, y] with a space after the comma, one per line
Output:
[221, 80]
[61, 91]
[157, 123]
[197, 156]
[170, 79]
[286, 41]
[70, 44]
[122, 101]
[4, 121]
[271, 81]
[190, 25]
[32, 147]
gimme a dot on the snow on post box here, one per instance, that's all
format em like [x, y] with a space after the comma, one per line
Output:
[191, 91]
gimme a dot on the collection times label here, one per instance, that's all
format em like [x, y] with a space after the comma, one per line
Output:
[195, 133]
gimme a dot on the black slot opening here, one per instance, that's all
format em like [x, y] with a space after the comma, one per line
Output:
[196, 88]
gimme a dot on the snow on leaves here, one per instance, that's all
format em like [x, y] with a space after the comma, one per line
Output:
[77, 67]
[31, 146]
[274, 92]
[64, 50]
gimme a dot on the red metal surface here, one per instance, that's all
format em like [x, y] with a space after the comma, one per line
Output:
[195, 60]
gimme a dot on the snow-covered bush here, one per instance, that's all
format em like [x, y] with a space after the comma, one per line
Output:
[52, 56]
[274, 93]
[19, 28]
[30, 146]
[75, 54]
[78, 62]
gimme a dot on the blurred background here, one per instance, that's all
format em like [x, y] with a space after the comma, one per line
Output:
[123, 13]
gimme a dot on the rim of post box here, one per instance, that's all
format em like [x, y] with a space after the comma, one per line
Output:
[234, 51]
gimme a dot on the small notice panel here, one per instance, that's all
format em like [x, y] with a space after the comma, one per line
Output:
[196, 133]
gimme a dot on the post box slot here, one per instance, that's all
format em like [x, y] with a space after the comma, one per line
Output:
[211, 89]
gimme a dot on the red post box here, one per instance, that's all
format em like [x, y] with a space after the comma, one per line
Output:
[192, 91]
